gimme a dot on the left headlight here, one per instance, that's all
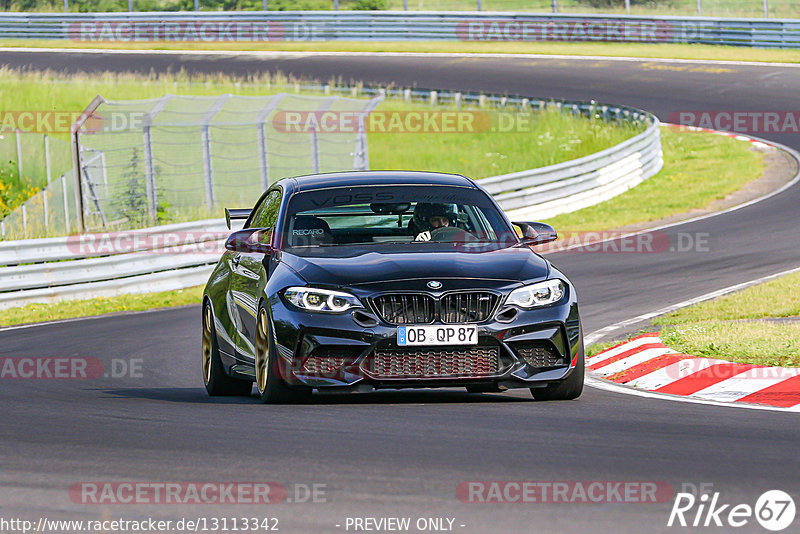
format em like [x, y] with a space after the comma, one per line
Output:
[538, 294]
[321, 300]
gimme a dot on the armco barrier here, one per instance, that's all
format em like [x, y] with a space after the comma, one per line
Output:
[396, 26]
[146, 260]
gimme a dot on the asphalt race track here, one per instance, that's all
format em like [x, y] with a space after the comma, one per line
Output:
[404, 454]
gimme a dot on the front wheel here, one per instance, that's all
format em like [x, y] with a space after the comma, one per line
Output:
[271, 387]
[569, 389]
[218, 384]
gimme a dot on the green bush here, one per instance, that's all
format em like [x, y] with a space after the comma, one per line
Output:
[368, 5]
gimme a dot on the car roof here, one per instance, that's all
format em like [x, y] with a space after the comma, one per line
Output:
[361, 178]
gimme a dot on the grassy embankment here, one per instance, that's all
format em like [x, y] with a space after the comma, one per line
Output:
[749, 326]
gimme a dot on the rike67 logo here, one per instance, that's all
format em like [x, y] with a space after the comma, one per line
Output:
[774, 510]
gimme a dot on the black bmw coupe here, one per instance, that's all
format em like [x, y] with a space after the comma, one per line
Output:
[358, 281]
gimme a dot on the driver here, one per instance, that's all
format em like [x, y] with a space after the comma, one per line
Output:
[431, 217]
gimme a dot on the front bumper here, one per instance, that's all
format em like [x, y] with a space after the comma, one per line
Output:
[340, 352]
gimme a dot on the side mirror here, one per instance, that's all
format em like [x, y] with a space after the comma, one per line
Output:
[536, 233]
[255, 240]
[236, 213]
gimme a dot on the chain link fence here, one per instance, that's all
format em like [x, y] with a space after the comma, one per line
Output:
[38, 161]
[178, 158]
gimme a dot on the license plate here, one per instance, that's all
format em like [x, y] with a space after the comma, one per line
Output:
[437, 335]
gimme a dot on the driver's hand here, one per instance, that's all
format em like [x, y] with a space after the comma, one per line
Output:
[424, 236]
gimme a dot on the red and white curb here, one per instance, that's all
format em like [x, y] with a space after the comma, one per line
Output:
[645, 363]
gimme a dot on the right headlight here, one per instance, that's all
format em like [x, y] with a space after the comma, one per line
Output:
[538, 294]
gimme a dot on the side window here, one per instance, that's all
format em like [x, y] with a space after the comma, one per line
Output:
[267, 214]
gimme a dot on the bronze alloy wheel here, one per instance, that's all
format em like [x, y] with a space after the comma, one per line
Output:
[208, 343]
[262, 351]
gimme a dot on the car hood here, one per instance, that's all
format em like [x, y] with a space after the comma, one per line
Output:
[359, 266]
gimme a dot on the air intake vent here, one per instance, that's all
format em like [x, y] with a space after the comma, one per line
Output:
[435, 363]
[539, 354]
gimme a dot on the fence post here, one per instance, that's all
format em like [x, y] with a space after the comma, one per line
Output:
[361, 156]
[766, 9]
[264, 4]
[66, 6]
[479, 5]
[205, 135]
[699, 8]
[19, 157]
[263, 150]
[628, 6]
[555, 6]
[263, 158]
[405, 5]
[149, 173]
[208, 171]
[314, 149]
[76, 159]
[197, 5]
[66, 202]
[44, 193]
[76, 166]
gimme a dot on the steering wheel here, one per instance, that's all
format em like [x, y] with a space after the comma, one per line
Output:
[450, 234]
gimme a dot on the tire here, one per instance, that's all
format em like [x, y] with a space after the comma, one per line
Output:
[217, 382]
[271, 387]
[569, 389]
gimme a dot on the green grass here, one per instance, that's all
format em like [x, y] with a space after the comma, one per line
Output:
[644, 50]
[550, 137]
[698, 169]
[758, 342]
[776, 298]
[67, 309]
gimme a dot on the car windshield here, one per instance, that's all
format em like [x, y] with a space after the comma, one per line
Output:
[406, 215]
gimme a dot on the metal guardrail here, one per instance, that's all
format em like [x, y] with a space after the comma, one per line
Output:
[230, 26]
[102, 265]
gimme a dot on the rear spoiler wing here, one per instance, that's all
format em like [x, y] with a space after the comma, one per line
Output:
[236, 213]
